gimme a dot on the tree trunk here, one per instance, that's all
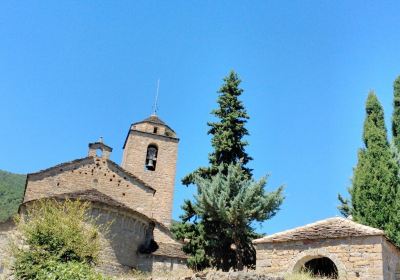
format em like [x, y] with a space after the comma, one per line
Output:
[238, 252]
[239, 259]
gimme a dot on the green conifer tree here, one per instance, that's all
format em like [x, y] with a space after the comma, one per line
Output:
[396, 114]
[375, 180]
[227, 133]
[208, 241]
[234, 201]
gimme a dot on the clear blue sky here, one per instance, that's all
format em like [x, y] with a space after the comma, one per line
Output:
[71, 71]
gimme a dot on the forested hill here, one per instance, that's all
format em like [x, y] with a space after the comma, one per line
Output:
[11, 192]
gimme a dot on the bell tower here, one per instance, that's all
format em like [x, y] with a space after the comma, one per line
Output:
[150, 153]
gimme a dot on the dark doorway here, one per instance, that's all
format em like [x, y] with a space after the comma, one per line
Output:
[322, 267]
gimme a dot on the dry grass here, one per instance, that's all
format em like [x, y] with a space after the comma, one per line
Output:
[183, 273]
[302, 276]
[161, 274]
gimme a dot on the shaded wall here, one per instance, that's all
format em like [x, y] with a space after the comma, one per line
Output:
[391, 261]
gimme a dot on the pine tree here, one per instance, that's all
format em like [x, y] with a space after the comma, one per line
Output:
[234, 202]
[208, 241]
[227, 134]
[396, 114]
[375, 180]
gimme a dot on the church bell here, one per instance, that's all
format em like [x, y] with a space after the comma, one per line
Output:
[150, 164]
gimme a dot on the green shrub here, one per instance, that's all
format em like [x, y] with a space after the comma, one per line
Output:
[68, 271]
[60, 242]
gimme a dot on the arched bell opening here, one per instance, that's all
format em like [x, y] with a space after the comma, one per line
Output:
[151, 157]
[320, 267]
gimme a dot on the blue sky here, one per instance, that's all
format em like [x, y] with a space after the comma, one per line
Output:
[71, 71]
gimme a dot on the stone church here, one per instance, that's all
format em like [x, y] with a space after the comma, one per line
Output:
[135, 197]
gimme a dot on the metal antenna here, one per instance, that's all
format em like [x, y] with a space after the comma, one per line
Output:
[155, 106]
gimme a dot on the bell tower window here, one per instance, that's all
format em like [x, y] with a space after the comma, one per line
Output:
[151, 157]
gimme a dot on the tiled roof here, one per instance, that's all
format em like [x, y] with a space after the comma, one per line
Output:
[155, 120]
[329, 228]
[170, 250]
[89, 160]
[133, 176]
[93, 195]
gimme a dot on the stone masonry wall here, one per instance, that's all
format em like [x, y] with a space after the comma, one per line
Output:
[391, 261]
[359, 258]
[161, 264]
[163, 177]
[90, 173]
[6, 230]
[121, 233]
[120, 242]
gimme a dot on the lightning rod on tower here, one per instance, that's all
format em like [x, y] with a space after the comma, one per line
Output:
[155, 106]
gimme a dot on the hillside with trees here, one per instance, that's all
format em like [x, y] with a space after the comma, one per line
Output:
[11, 193]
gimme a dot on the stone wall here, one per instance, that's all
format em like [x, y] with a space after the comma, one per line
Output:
[357, 258]
[160, 264]
[162, 234]
[163, 177]
[7, 229]
[391, 261]
[232, 275]
[124, 233]
[91, 173]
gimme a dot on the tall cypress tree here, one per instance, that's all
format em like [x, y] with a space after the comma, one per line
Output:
[395, 145]
[375, 180]
[396, 114]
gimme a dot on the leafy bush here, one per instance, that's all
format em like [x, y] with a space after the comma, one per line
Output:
[60, 242]
[68, 271]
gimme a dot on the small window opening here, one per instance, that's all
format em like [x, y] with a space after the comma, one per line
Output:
[155, 129]
[99, 153]
[322, 267]
[151, 157]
